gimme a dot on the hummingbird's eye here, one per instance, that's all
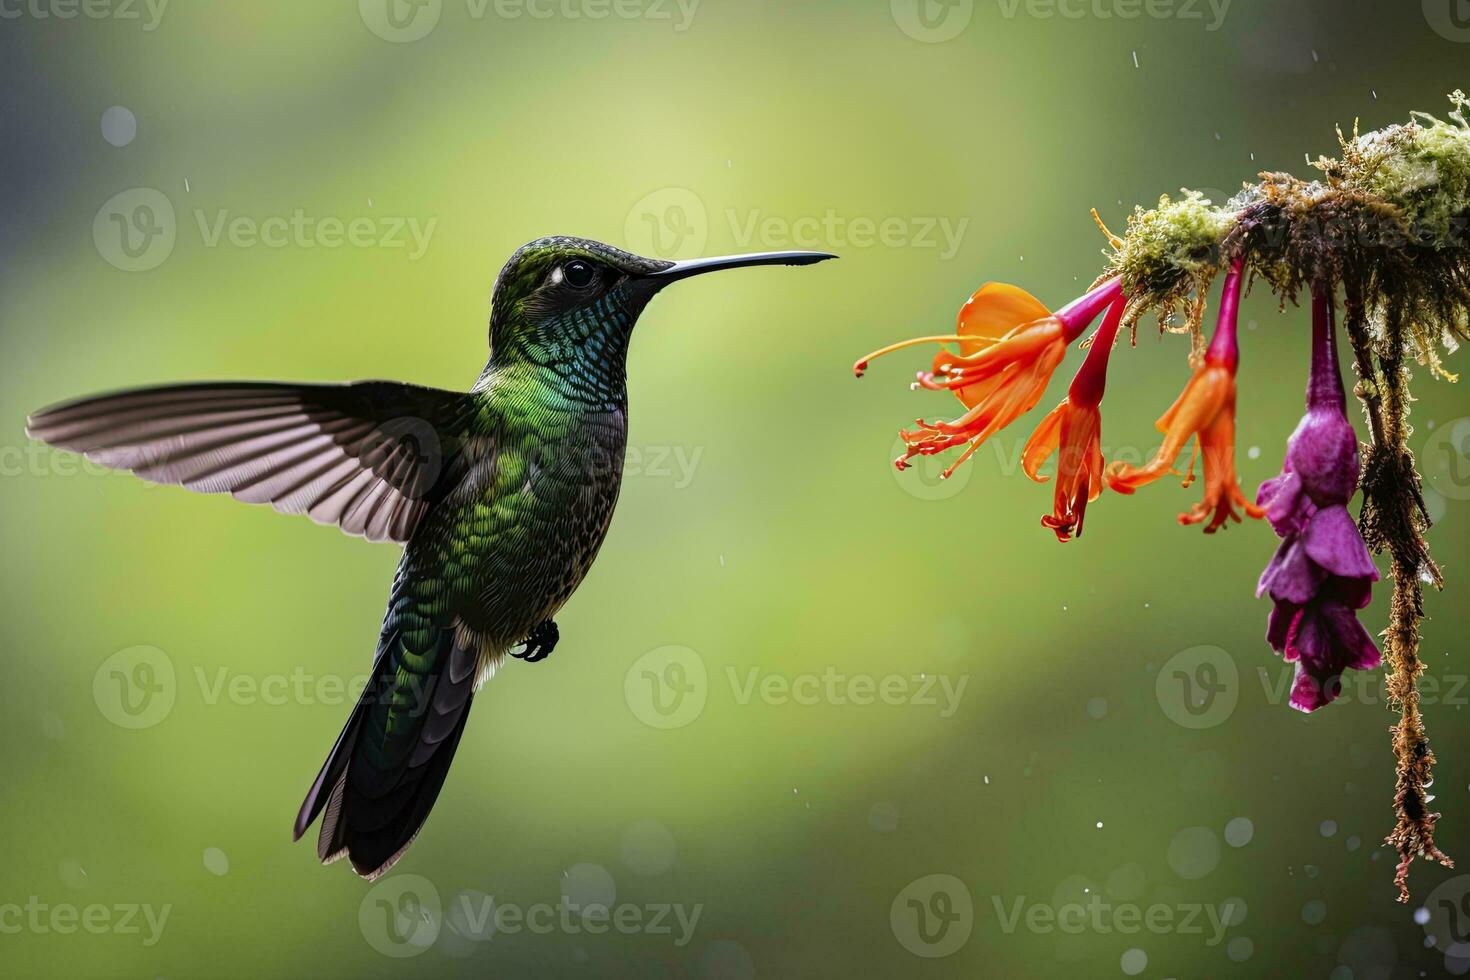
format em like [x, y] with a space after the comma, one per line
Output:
[578, 274]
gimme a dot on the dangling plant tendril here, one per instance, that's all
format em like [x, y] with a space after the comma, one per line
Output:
[1387, 227]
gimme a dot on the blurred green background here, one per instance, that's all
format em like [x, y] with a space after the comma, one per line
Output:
[762, 535]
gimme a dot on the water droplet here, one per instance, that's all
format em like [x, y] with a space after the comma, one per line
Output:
[1097, 707]
[584, 885]
[1134, 962]
[1194, 852]
[648, 847]
[1314, 912]
[119, 125]
[1328, 828]
[216, 862]
[1239, 831]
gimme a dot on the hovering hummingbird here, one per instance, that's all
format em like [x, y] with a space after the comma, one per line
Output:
[501, 497]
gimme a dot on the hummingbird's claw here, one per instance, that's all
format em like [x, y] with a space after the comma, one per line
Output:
[539, 644]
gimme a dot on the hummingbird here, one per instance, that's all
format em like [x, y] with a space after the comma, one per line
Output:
[500, 496]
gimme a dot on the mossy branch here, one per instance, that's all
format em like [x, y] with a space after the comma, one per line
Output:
[1390, 221]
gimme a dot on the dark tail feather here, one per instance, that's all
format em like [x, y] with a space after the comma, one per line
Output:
[384, 773]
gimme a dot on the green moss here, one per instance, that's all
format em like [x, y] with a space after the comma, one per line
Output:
[1169, 257]
[1173, 241]
[1393, 212]
[1423, 168]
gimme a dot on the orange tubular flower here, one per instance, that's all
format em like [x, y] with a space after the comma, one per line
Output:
[1073, 431]
[1205, 410]
[1009, 346]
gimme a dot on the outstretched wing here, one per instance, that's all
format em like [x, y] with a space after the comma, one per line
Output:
[370, 457]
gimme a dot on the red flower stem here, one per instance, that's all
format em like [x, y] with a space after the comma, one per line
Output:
[1078, 314]
[1092, 377]
[1324, 387]
[1224, 348]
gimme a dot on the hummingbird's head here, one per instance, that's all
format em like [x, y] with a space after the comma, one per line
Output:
[566, 300]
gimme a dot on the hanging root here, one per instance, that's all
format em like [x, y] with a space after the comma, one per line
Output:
[1413, 836]
[1394, 519]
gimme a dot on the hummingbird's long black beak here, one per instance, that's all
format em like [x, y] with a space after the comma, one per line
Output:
[696, 267]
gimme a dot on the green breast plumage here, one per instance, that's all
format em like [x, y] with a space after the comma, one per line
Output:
[512, 540]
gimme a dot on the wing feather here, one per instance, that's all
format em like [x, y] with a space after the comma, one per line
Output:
[370, 457]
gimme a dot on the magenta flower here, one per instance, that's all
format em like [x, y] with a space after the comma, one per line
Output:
[1322, 572]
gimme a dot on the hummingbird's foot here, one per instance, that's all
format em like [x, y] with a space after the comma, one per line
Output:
[539, 644]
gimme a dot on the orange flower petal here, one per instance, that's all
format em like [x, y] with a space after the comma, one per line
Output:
[1043, 442]
[1210, 389]
[994, 310]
